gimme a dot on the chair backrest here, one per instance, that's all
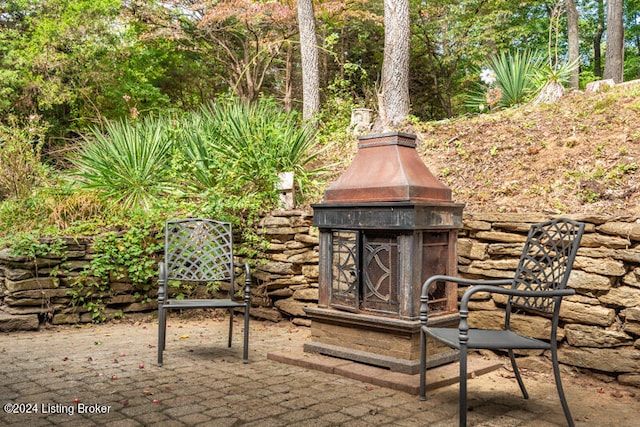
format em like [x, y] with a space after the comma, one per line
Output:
[546, 261]
[199, 250]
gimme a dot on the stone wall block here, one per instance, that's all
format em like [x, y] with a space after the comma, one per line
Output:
[631, 314]
[32, 284]
[588, 282]
[499, 236]
[612, 360]
[573, 312]
[477, 225]
[280, 267]
[25, 322]
[274, 222]
[494, 217]
[291, 307]
[311, 271]
[18, 274]
[472, 271]
[308, 294]
[593, 336]
[624, 296]
[505, 249]
[632, 278]
[606, 267]
[308, 239]
[598, 240]
[622, 229]
[304, 258]
[473, 250]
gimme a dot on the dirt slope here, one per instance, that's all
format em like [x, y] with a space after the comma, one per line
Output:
[579, 155]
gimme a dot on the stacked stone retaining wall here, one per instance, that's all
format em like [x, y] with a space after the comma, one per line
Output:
[600, 325]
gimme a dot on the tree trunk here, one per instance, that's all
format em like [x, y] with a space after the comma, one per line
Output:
[614, 56]
[288, 77]
[309, 59]
[573, 41]
[597, 41]
[393, 100]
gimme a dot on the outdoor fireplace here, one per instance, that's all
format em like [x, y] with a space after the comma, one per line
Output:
[385, 226]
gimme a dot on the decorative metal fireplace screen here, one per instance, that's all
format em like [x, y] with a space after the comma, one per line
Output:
[366, 266]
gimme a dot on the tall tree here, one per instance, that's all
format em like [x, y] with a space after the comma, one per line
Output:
[309, 59]
[573, 41]
[614, 56]
[245, 36]
[393, 99]
[597, 40]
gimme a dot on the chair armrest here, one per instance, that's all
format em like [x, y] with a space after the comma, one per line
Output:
[440, 278]
[464, 302]
[424, 297]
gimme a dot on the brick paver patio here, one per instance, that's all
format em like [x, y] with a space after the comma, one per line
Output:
[107, 375]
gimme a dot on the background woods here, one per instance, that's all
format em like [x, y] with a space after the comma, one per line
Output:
[75, 63]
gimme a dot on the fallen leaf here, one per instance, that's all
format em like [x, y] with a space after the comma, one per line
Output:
[184, 336]
[147, 392]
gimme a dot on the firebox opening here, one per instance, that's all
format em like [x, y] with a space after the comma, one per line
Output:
[368, 282]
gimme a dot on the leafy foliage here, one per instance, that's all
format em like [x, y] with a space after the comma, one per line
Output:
[127, 163]
[517, 79]
[21, 168]
[251, 143]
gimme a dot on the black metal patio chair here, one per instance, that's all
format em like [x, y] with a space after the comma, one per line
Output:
[538, 286]
[200, 250]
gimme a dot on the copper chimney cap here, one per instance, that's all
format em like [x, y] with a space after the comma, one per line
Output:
[387, 168]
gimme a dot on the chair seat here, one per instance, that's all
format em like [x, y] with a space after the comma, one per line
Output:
[486, 339]
[202, 303]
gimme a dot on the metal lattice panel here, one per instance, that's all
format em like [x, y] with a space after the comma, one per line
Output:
[380, 271]
[344, 284]
[547, 256]
[198, 250]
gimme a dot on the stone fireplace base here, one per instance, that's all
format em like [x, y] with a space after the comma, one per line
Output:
[380, 341]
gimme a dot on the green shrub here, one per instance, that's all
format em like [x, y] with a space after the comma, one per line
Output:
[21, 169]
[509, 80]
[251, 143]
[128, 163]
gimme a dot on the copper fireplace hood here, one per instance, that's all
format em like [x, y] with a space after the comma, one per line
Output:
[387, 168]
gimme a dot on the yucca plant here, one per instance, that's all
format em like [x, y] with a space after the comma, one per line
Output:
[253, 142]
[513, 81]
[515, 73]
[127, 163]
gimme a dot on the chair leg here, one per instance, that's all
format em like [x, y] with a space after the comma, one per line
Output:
[162, 327]
[245, 351]
[463, 386]
[230, 326]
[516, 371]
[423, 364]
[563, 399]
